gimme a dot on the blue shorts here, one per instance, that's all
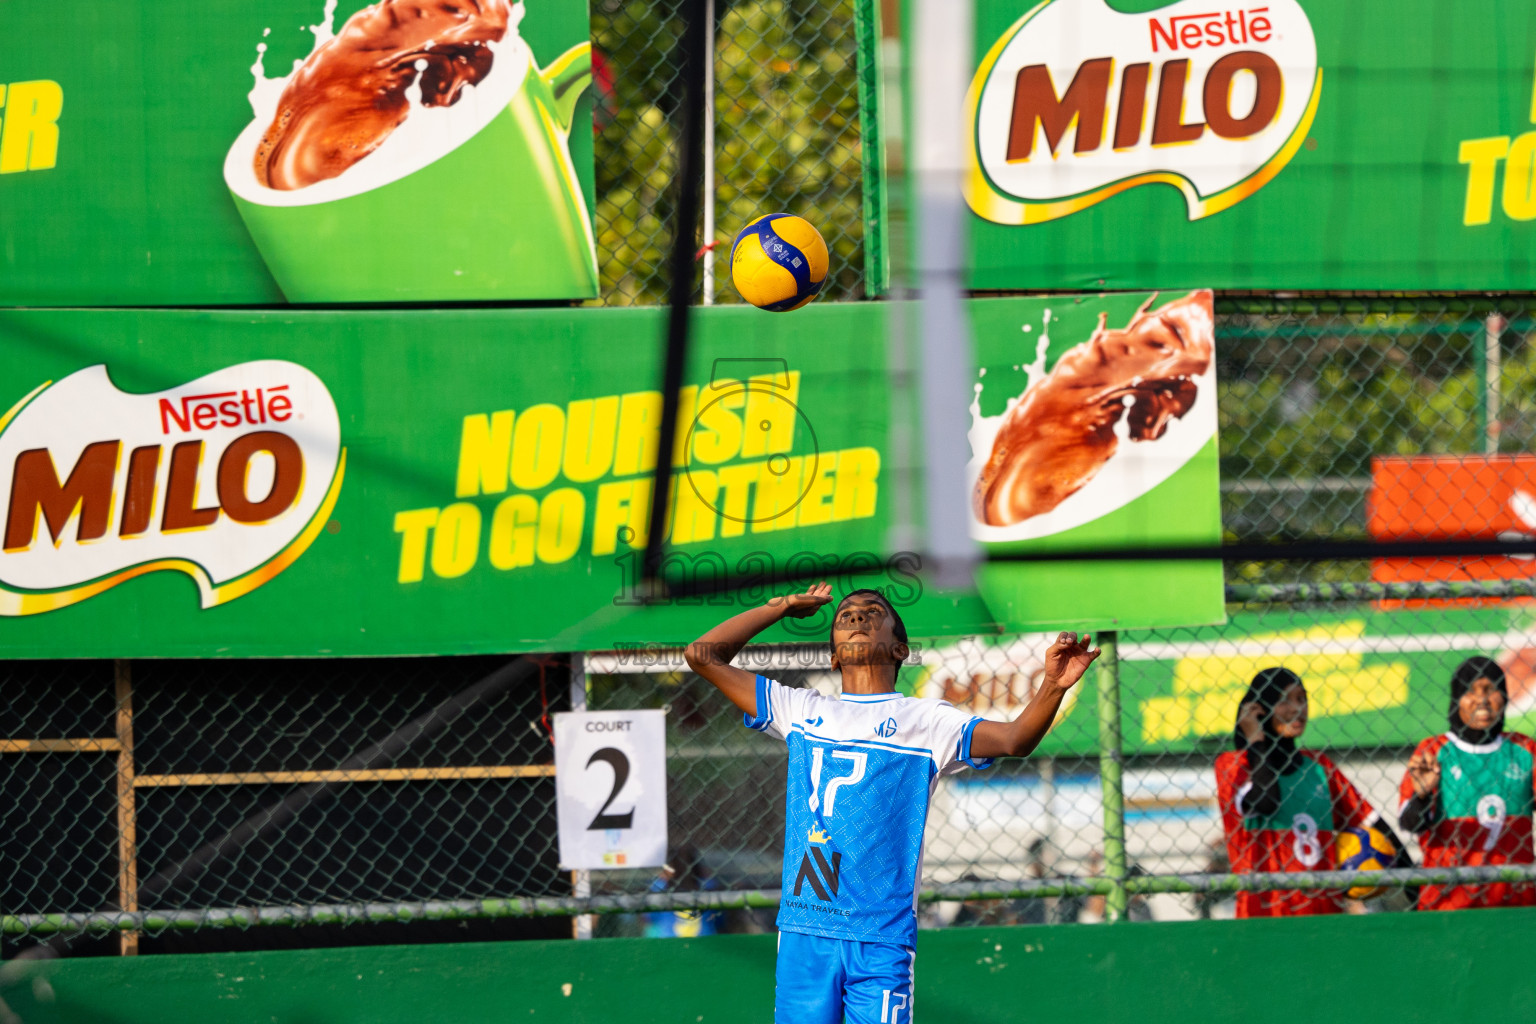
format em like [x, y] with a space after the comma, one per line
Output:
[830, 981]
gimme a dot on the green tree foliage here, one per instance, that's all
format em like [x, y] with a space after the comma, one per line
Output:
[786, 136]
[1311, 394]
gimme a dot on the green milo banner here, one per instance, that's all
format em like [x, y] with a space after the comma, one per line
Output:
[309, 151]
[184, 483]
[1283, 144]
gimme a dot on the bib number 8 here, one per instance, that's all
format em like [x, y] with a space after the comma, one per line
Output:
[1491, 814]
[1304, 842]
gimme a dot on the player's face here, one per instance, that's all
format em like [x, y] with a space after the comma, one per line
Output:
[1290, 713]
[1482, 705]
[864, 633]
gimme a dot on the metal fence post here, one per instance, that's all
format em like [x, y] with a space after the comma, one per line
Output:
[581, 881]
[127, 813]
[866, 20]
[1108, 680]
[1488, 407]
[707, 237]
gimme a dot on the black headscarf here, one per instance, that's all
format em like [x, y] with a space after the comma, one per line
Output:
[1467, 673]
[1266, 690]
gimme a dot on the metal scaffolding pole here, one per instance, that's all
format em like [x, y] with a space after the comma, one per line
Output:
[1110, 761]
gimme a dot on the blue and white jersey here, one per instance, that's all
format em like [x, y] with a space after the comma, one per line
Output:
[861, 771]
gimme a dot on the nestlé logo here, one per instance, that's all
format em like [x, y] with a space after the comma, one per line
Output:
[1078, 102]
[228, 479]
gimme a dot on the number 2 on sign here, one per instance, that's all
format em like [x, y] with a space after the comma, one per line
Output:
[614, 758]
[1305, 843]
[860, 761]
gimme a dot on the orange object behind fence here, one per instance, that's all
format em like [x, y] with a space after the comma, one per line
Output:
[1452, 497]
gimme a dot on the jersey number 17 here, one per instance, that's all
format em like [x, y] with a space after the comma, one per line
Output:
[860, 761]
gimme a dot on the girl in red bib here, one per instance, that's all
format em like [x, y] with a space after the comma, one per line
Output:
[1280, 805]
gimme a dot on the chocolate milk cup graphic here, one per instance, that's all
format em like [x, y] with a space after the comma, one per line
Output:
[1113, 419]
[1064, 427]
[419, 154]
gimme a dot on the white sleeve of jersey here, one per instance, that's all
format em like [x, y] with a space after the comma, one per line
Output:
[779, 707]
[949, 738]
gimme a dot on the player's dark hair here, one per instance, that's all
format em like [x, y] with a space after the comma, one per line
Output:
[1267, 689]
[1475, 668]
[898, 627]
[1467, 673]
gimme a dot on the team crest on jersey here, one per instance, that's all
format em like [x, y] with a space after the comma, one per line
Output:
[886, 728]
[817, 836]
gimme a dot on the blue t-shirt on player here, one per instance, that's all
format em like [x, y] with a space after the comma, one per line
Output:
[861, 771]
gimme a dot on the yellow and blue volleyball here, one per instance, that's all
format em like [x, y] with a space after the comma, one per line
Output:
[1364, 849]
[779, 262]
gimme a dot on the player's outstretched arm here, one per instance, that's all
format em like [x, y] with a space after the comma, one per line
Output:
[710, 655]
[1065, 662]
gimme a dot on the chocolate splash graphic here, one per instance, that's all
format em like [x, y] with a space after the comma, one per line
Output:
[1062, 432]
[350, 94]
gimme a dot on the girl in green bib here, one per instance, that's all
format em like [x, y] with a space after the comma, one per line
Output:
[1468, 793]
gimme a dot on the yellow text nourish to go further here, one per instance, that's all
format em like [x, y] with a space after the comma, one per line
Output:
[734, 476]
[29, 125]
[1483, 157]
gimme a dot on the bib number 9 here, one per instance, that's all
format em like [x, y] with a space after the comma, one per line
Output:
[1304, 841]
[1491, 814]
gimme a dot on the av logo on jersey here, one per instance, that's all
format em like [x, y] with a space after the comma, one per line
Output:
[822, 873]
[228, 478]
[1078, 102]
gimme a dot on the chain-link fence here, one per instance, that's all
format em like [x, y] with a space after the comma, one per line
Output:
[301, 792]
[786, 136]
[1340, 418]
[207, 791]
[166, 796]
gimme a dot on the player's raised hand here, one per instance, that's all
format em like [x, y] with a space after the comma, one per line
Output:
[711, 654]
[1250, 719]
[1068, 658]
[1424, 770]
[803, 606]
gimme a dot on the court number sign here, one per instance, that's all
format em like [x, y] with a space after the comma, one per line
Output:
[611, 789]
